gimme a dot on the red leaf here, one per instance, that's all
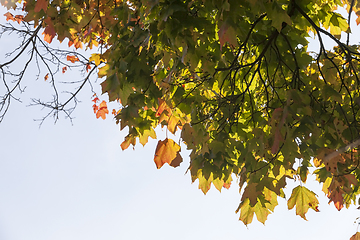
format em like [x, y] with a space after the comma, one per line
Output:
[227, 33]
[167, 151]
[277, 122]
[49, 33]
[95, 99]
[64, 69]
[95, 108]
[277, 139]
[72, 59]
[337, 197]
[41, 4]
[88, 67]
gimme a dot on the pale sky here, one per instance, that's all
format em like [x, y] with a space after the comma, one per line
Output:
[71, 182]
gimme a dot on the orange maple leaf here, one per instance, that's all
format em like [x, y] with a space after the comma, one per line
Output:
[129, 139]
[95, 99]
[46, 77]
[167, 151]
[88, 67]
[72, 59]
[356, 236]
[64, 69]
[76, 42]
[102, 110]
[114, 112]
[19, 18]
[9, 16]
[41, 4]
[162, 107]
[227, 185]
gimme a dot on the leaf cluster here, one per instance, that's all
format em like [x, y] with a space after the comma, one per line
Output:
[237, 80]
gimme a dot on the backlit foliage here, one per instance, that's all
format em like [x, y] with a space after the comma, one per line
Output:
[235, 77]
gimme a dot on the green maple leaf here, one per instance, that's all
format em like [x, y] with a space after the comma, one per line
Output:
[111, 85]
[246, 212]
[278, 16]
[304, 199]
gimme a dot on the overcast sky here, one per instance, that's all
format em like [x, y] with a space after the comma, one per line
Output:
[72, 181]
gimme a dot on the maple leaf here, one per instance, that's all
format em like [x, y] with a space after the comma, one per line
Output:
[218, 183]
[95, 100]
[88, 67]
[304, 199]
[251, 193]
[114, 112]
[41, 4]
[176, 161]
[172, 123]
[49, 33]
[246, 212]
[356, 236]
[166, 152]
[325, 156]
[335, 194]
[262, 209]
[227, 185]
[187, 134]
[72, 59]
[261, 212]
[102, 110]
[64, 69]
[19, 18]
[46, 77]
[129, 139]
[143, 139]
[9, 16]
[279, 112]
[95, 108]
[204, 183]
[227, 33]
[162, 107]
[96, 57]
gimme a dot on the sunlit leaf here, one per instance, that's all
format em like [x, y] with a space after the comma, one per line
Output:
[167, 151]
[304, 199]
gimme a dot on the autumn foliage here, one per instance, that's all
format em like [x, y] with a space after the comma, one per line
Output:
[235, 80]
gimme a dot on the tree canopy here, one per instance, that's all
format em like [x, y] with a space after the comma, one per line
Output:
[234, 77]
